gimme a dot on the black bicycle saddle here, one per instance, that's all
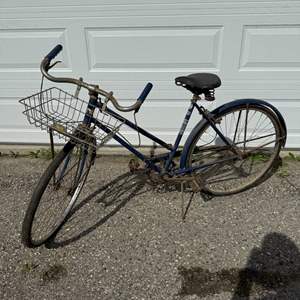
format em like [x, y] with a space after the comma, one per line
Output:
[199, 83]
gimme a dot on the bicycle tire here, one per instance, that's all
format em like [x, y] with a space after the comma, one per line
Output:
[216, 150]
[50, 183]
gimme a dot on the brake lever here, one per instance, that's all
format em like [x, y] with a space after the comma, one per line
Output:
[51, 66]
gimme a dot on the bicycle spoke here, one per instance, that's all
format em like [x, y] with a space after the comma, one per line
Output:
[245, 129]
[255, 139]
[237, 126]
[251, 129]
[57, 199]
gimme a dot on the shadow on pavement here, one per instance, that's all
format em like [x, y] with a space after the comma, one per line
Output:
[99, 206]
[273, 266]
[272, 272]
[95, 209]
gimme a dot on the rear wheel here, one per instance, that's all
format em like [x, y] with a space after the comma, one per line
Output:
[255, 133]
[56, 193]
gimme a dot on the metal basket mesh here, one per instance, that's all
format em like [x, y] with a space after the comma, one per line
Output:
[60, 112]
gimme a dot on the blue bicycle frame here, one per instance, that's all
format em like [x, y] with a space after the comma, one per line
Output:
[173, 151]
[167, 158]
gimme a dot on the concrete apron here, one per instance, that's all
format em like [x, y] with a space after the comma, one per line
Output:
[26, 149]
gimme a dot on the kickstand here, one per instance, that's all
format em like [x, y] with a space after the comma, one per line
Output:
[185, 210]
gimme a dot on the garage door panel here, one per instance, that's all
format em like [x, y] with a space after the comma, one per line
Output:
[78, 8]
[154, 48]
[121, 45]
[290, 109]
[271, 47]
[21, 48]
[10, 107]
[262, 47]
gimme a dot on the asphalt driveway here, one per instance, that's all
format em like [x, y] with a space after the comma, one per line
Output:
[126, 240]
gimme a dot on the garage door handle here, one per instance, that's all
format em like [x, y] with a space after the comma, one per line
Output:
[52, 54]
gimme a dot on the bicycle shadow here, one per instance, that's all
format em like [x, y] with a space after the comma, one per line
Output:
[272, 272]
[207, 195]
[98, 207]
[102, 204]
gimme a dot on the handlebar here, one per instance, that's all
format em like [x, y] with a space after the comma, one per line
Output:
[53, 53]
[144, 95]
[91, 87]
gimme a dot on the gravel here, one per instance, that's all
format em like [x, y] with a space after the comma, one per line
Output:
[126, 240]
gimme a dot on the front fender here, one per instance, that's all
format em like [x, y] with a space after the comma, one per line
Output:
[222, 109]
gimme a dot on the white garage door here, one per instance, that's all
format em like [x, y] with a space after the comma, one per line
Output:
[254, 46]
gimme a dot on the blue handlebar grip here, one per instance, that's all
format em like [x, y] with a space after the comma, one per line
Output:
[54, 52]
[145, 92]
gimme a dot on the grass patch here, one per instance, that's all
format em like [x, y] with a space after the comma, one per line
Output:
[283, 172]
[42, 153]
[292, 157]
[260, 157]
[14, 154]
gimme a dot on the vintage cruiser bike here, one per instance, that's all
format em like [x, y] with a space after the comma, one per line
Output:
[231, 149]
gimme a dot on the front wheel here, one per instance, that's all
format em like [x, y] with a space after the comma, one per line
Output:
[254, 131]
[56, 193]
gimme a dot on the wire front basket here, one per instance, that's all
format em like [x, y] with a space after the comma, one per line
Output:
[58, 111]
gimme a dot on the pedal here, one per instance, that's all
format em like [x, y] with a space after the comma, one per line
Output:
[133, 165]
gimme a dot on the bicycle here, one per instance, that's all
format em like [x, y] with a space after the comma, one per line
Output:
[231, 149]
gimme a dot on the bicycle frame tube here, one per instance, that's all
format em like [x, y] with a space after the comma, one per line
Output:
[139, 129]
[168, 156]
[93, 101]
[195, 168]
[207, 117]
[180, 134]
[125, 144]
[88, 118]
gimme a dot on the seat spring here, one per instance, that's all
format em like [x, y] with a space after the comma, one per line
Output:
[209, 95]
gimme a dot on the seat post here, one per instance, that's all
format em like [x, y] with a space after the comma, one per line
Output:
[195, 98]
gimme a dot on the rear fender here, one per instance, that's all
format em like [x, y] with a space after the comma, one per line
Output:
[222, 109]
